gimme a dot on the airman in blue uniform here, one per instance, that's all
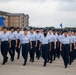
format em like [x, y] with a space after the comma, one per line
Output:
[45, 46]
[18, 37]
[12, 44]
[25, 40]
[4, 37]
[65, 47]
[33, 44]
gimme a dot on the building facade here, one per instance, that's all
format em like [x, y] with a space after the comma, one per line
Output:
[15, 19]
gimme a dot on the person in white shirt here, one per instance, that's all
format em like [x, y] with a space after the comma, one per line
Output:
[65, 47]
[55, 45]
[50, 33]
[52, 42]
[38, 36]
[45, 46]
[4, 37]
[33, 44]
[58, 43]
[25, 40]
[18, 37]
[72, 45]
[41, 33]
[12, 38]
[70, 54]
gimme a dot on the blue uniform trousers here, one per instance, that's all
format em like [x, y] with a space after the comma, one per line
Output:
[4, 50]
[18, 49]
[65, 53]
[45, 52]
[25, 50]
[73, 52]
[37, 49]
[12, 49]
[32, 51]
[58, 49]
[52, 52]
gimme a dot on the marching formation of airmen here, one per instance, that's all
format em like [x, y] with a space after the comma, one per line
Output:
[48, 44]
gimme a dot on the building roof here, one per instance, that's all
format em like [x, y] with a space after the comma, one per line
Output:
[13, 14]
[16, 14]
[4, 13]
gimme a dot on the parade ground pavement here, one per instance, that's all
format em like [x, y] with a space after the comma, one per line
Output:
[36, 68]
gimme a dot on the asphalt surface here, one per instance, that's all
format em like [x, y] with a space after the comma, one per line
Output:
[36, 68]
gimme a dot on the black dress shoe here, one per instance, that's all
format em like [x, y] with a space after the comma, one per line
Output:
[32, 60]
[65, 66]
[24, 64]
[44, 65]
[12, 60]
[51, 62]
[17, 57]
[3, 63]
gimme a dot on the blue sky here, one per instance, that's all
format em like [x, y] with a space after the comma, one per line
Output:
[44, 13]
